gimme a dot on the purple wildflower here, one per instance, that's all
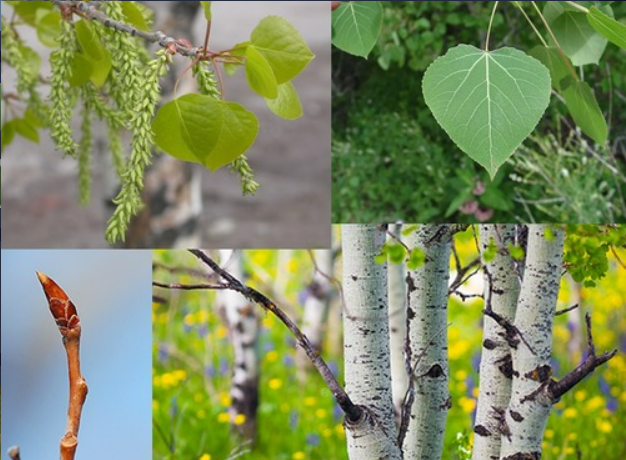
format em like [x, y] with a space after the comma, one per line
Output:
[313, 439]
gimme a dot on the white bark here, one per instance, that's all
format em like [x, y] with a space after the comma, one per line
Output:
[427, 328]
[397, 328]
[243, 331]
[496, 364]
[366, 345]
[530, 407]
[316, 307]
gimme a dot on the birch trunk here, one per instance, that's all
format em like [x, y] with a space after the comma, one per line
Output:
[243, 331]
[397, 329]
[366, 345]
[316, 308]
[530, 406]
[496, 361]
[427, 329]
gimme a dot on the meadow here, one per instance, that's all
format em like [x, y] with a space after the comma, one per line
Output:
[192, 367]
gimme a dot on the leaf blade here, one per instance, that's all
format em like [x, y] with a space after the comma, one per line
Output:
[356, 27]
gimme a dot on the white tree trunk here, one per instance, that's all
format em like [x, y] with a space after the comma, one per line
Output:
[316, 307]
[496, 361]
[397, 328]
[243, 331]
[366, 345]
[427, 328]
[530, 407]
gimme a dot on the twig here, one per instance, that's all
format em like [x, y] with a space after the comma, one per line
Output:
[68, 322]
[352, 411]
[566, 310]
[192, 287]
[589, 364]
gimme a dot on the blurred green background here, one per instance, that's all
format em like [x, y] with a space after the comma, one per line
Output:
[392, 161]
[193, 362]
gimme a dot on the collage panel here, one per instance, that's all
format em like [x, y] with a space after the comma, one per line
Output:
[109, 321]
[107, 152]
[470, 112]
[292, 354]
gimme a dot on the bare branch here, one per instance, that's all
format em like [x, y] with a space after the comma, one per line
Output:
[352, 411]
[192, 287]
[589, 364]
[566, 310]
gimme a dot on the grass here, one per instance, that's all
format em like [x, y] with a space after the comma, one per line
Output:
[192, 359]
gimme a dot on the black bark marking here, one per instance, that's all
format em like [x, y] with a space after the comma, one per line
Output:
[482, 431]
[435, 371]
[540, 373]
[516, 416]
[489, 344]
[505, 365]
[524, 456]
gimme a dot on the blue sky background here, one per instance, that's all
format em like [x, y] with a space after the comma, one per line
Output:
[112, 292]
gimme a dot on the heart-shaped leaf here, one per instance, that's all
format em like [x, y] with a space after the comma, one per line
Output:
[356, 27]
[487, 102]
[201, 129]
[260, 74]
[287, 105]
[282, 46]
[551, 58]
[608, 27]
[584, 108]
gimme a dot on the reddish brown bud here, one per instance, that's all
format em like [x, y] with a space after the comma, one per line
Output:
[61, 307]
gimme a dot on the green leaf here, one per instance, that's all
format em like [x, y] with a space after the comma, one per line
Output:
[28, 10]
[608, 27]
[458, 201]
[282, 46]
[8, 134]
[89, 41]
[580, 42]
[487, 102]
[31, 58]
[584, 108]
[204, 130]
[48, 27]
[287, 105]
[25, 129]
[516, 252]
[551, 58]
[260, 75]
[81, 70]
[239, 50]
[356, 27]
[101, 69]
[417, 258]
[31, 118]
[491, 251]
[207, 10]
[134, 15]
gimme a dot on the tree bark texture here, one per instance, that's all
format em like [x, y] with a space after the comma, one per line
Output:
[316, 307]
[243, 330]
[366, 345]
[397, 328]
[427, 330]
[525, 418]
[502, 288]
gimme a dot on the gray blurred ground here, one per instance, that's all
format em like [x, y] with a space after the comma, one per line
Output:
[291, 159]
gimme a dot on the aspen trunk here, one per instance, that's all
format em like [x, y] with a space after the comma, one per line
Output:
[502, 283]
[316, 307]
[427, 330]
[397, 329]
[529, 408]
[243, 331]
[366, 345]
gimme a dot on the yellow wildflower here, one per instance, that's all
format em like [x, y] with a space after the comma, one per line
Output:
[275, 384]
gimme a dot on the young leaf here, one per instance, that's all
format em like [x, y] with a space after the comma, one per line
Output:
[88, 40]
[487, 102]
[82, 69]
[26, 130]
[608, 27]
[135, 16]
[356, 27]
[207, 10]
[551, 58]
[28, 10]
[282, 46]
[287, 105]
[204, 130]
[580, 42]
[260, 74]
[48, 27]
[8, 134]
[584, 108]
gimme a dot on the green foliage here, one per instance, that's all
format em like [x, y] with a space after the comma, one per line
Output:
[608, 27]
[206, 6]
[488, 102]
[584, 108]
[356, 27]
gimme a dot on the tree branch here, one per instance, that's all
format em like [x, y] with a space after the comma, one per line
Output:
[352, 411]
[68, 322]
[589, 364]
[192, 287]
[90, 10]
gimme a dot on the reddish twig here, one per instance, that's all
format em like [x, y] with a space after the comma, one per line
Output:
[68, 322]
